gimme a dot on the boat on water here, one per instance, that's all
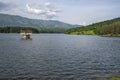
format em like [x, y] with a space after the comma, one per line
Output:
[26, 34]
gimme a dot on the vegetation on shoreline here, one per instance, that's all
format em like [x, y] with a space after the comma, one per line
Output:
[17, 29]
[106, 28]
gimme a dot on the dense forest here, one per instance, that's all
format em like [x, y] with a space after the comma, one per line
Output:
[16, 29]
[105, 28]
[11, 29]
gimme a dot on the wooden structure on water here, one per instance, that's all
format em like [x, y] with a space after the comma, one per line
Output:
[26, 34]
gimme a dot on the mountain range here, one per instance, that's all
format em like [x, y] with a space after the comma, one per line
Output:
[15, 20]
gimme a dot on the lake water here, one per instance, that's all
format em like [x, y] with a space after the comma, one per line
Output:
[59, 57]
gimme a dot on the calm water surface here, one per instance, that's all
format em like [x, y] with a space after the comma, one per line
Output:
[59, 57]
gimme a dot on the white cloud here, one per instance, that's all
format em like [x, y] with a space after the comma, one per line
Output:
[47, 4]
[34, 10]
[48, 10]
[51, 14]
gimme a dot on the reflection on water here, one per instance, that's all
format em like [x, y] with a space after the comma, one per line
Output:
[59, 57]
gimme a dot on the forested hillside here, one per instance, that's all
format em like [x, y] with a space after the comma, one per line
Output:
[16, 29]
[105, 28]
[43, 26]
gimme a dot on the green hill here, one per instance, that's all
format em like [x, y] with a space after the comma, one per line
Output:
[42, 25]
[105, 28]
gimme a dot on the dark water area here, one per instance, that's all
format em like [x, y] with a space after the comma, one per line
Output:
[59, 57]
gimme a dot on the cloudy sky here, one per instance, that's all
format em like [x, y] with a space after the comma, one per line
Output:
[81, 12]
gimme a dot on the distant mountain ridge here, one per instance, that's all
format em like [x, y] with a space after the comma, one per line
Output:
[14, 20]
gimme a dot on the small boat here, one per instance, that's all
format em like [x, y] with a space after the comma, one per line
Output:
[26, 34]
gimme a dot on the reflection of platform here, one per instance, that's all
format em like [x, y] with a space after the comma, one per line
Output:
[26, 34]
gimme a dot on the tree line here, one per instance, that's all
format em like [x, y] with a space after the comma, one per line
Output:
[109, 27]
[17, 29]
